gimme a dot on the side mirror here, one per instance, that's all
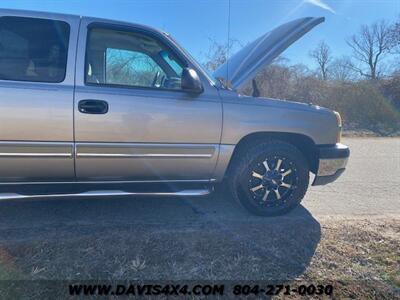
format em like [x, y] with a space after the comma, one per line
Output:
[191, 81]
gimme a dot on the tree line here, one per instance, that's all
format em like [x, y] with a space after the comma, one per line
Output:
[363, 86]
[369, 47]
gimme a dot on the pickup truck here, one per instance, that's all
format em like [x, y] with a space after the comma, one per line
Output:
[92, 107]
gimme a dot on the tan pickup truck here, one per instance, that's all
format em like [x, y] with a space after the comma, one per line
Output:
[92, 107]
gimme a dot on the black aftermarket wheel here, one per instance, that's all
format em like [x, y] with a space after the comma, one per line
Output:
[270, 179]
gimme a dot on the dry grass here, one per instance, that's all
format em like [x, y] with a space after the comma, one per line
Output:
[359, 257]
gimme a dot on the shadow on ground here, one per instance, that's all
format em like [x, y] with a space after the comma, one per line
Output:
[153, 239]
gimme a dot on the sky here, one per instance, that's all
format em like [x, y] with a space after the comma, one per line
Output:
[195, 23]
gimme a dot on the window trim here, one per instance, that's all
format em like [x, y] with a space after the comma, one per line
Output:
[118, 27]
[67, 51]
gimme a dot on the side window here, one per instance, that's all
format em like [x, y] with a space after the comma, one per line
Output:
[33, 49]
[126, 58]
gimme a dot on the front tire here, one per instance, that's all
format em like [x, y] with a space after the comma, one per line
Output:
[269, 179]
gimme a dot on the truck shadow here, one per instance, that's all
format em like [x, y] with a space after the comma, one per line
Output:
[153, 239]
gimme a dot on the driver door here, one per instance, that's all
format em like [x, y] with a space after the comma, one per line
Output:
[132, 120]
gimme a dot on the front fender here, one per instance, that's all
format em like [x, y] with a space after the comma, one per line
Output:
[241, 119]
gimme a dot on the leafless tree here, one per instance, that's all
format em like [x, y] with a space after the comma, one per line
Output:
[395, 37]
[322, 55]
[341, 69]
[369, 47]
[218, 53]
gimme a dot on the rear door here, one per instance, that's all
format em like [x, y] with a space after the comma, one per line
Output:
[132, 120]
[37, 62]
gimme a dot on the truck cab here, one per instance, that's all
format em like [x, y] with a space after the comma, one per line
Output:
[93, 107]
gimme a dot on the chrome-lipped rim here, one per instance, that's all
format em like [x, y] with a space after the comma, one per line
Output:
[272, 181]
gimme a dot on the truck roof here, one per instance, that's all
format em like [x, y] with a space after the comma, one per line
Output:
[52, 15]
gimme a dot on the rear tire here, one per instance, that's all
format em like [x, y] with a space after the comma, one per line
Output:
[269, 179]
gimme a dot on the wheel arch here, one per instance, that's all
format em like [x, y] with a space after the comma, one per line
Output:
[302, 142]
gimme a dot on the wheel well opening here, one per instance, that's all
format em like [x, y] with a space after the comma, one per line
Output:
[305, 144]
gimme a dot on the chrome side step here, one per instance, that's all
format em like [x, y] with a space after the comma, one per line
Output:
[182, 193]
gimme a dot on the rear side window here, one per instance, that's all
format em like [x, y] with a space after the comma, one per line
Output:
[33, 49]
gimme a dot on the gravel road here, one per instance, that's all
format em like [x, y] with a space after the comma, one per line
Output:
[369, 186]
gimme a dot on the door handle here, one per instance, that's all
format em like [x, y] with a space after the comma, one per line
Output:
[96, 107]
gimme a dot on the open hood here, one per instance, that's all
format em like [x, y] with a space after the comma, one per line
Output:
[244, 65]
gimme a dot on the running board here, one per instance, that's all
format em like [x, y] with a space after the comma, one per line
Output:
[183, 193]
